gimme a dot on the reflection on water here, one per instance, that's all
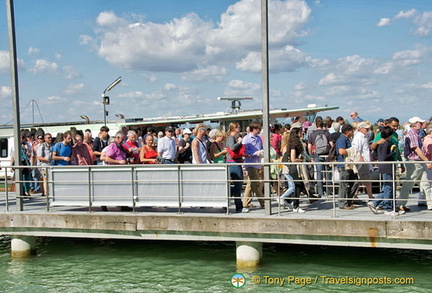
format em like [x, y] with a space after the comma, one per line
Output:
[85, 265]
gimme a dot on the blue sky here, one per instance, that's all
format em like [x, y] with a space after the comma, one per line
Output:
[176, 57]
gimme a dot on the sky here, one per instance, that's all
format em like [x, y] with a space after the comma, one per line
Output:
[176, 57]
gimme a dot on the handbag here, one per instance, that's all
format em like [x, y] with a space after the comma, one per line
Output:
[237, 154]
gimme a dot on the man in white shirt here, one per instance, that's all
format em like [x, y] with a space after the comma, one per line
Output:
[166, 147]
[360, 142]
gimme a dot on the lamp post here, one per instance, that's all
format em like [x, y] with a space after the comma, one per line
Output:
[105, 98]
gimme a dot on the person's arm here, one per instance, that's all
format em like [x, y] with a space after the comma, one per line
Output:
[110, 160]
[195, 148]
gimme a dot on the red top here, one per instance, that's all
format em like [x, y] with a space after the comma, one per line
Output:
[149, 154]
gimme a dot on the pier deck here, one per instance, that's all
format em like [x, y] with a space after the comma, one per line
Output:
[318, 226]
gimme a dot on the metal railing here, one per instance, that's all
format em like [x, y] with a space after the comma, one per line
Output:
[176, 186]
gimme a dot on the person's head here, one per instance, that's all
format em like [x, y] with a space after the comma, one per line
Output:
[340, 120]
[336, 126]
[220, 136]
[48, 138]
[200, 130]
[67, 138]
[354, 115]
[40, 138]
[429, 129]
[393, 122]
[416, 122]
[78, 139]
[169, 131]
[132, 136]
[186, 134]
[380, 122]
[386, 132]
[212, 133]
[255, 128]
[234, 128]
[177, 132]
[363, 127]
[319, 123]
[348, 130]
[119, 136]
[149, 140]
[104, 132]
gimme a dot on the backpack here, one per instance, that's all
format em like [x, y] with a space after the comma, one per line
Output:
[332, 156]
[321, 144]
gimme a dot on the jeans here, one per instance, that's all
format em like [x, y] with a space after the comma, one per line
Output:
[386, 193]
[290, 184]
[236, 174]
[319, 176]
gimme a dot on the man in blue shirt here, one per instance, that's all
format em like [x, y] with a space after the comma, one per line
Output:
[254, 151]
[348, 180]
[62, 151]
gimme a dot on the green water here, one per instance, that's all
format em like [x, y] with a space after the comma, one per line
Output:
[83, 265]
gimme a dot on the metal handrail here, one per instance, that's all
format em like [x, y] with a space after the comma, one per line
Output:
[10, 196]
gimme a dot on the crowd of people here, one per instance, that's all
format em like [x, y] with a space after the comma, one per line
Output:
[321, 140]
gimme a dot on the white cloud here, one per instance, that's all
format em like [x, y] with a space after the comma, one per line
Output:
[412, 57]
[52, 100]
[427, 85]
[383, 22]
[240, 87]
[406, 14]
[44, 66]
[150, 77]
[424, 23]
[169, 87]
[32, 50]
[73, 89]
[71, 72]
[108, 18]
[133, 94]
[5, 62]
[5, 91]
[191, 44]
[207, 74]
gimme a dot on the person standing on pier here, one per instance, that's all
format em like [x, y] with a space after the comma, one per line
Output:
[385, 152]
[100, 143]
[416, 171]
[234, 143]
[166, 147]
[115, 153]
[348, 179]
[62, 151]
[44, 157]
[82, 154]
[199, 148]
[253, 153]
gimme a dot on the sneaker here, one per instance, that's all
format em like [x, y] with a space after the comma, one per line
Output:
[245, 210]
[298, 210]
[372, 207]
[404, 208]
[401, 212]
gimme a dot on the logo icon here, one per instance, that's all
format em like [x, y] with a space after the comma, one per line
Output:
[238, 280]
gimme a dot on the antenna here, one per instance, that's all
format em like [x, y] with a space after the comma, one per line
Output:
[235, 102]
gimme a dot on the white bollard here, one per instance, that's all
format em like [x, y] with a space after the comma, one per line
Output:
[248, 254]
[23, 246]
